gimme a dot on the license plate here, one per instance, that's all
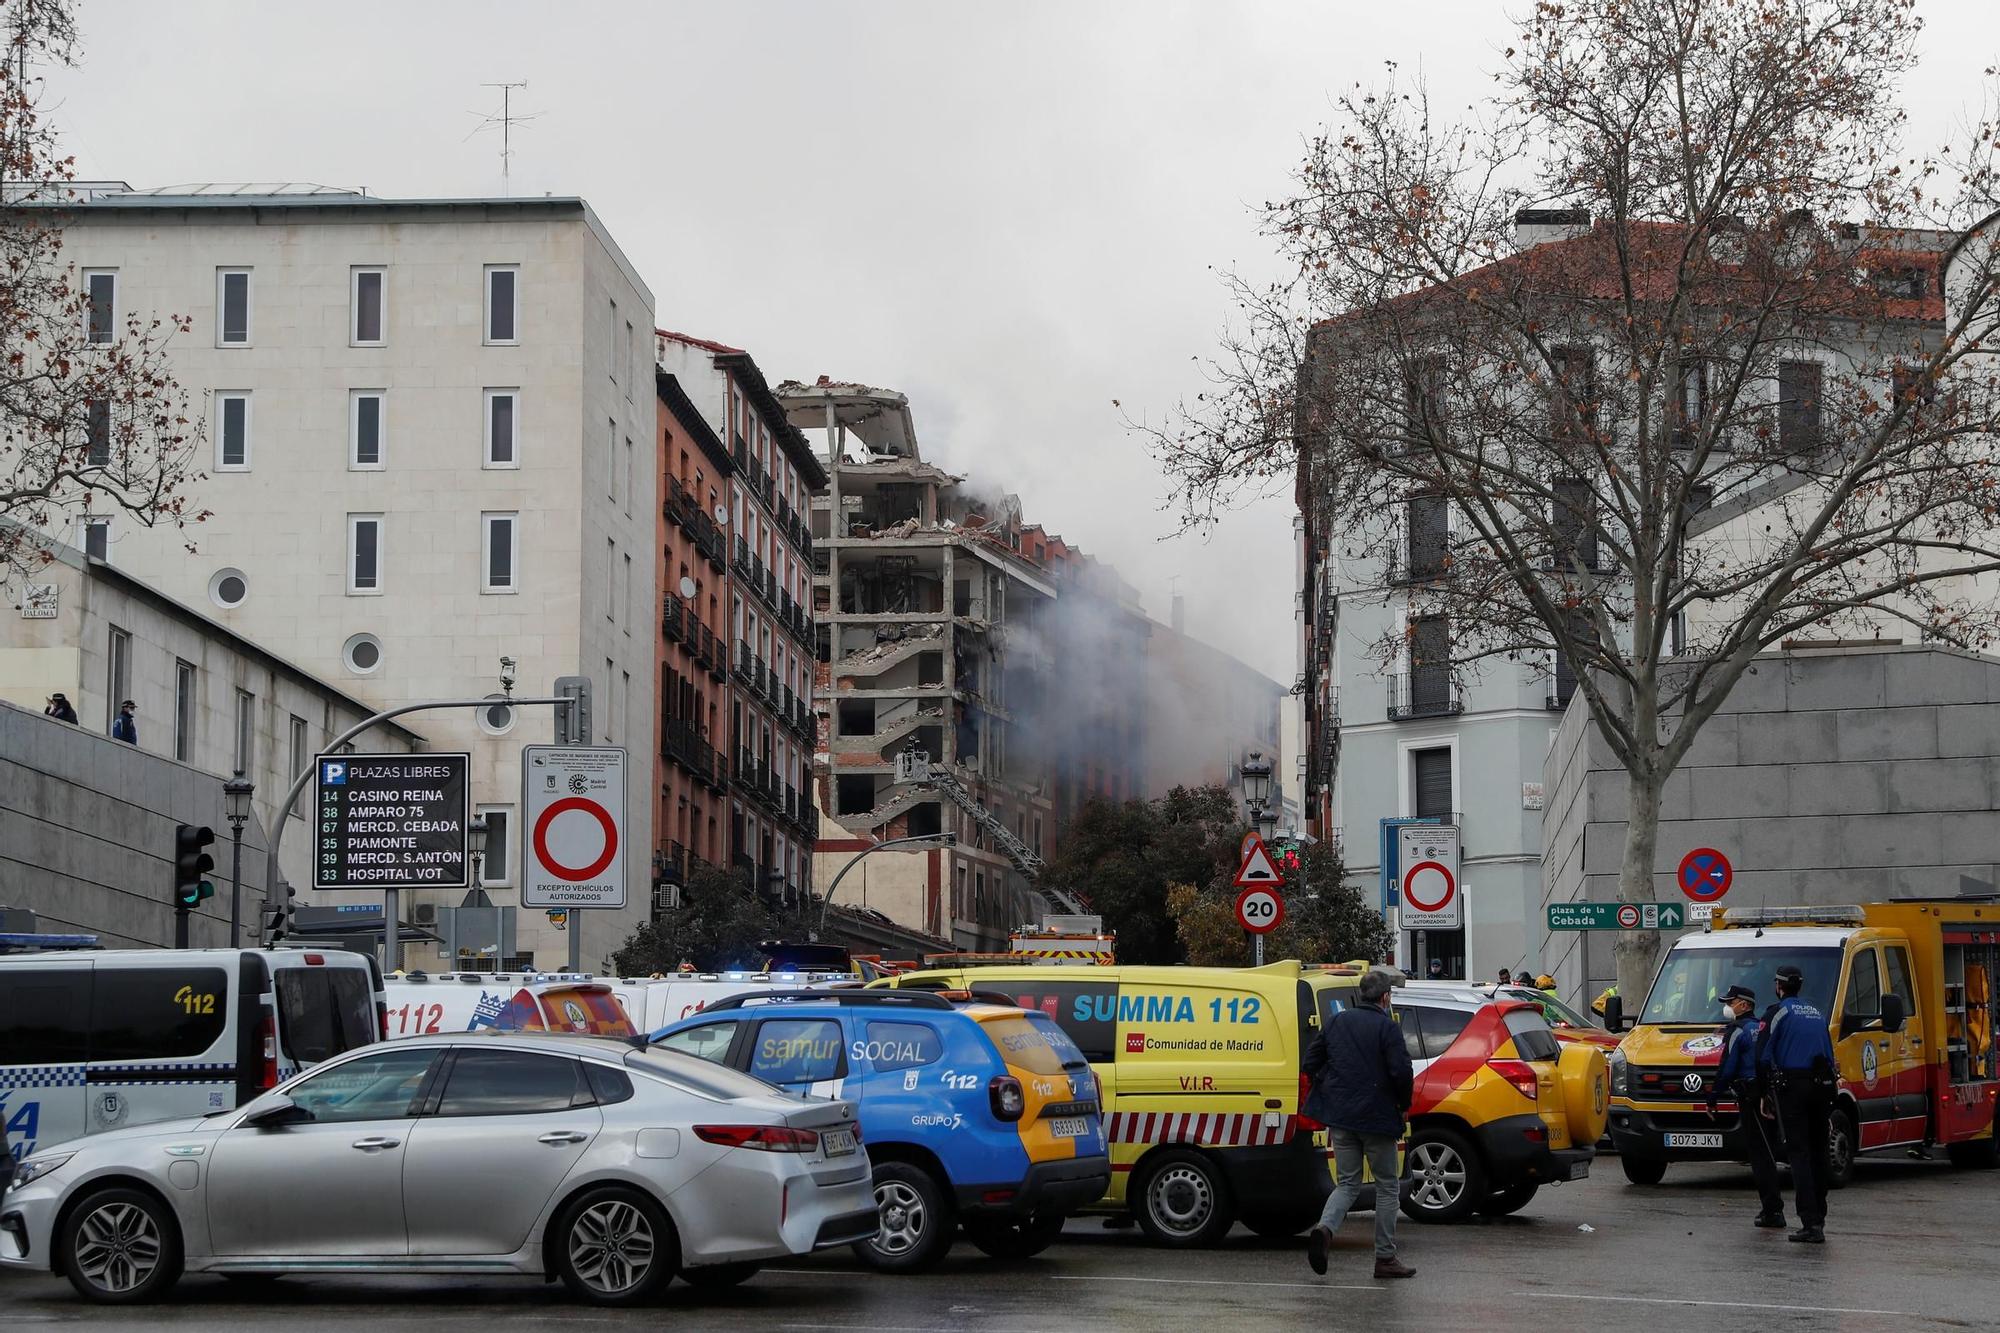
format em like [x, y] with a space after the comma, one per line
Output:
[1579, 1170]
[1694, 1140]
[837, 1142]
[1069, 1126]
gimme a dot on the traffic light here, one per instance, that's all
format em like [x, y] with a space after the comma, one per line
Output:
[282, 907]
[1288, 854]
[191, 866]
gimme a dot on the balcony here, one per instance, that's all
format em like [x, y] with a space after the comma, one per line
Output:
[682, 743]
[672, 619]
[1561, 690]
[1415, 694]
[1408, 567]
[742, 556]
[743, 658]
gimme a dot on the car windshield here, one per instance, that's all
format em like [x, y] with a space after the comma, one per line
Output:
[1559, 1014]
[1033, 1042]
[1693, 981]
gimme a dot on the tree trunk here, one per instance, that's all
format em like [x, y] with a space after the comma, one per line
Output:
[1636, 951]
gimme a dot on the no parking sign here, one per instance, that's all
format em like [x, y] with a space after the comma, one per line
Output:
[573, 811]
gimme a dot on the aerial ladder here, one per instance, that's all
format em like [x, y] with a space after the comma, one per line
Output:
[914, 767]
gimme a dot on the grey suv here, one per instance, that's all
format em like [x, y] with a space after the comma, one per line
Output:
[610, 1167]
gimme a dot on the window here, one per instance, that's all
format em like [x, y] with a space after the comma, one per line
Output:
[246, 731]
[364, 430]
[512, 1083]
[382, 1086]
[228, 588]
[1898, 959]
[93, 535]
[184, 685]
[100, 296]
[367, 300]
[1799, 385]
[118, 672]
[609, 1086]
[1086, 1010]
[501, 536]
[1689, 406]
[798, 1050]
[1912, 384]
[298, 755]
[364, 553]
[1532, 1038]
[45, 1016]
[1431, 782]
[709, 1041]
[611, 460]
[611, 352]
[497, 868]
[97, 432]
[892, 1046]
[1423, 400]
[1573, 411]
[501, 300]
[625, 355]
[232, 432]
[625, 591]
[1575, 524]
[324, 1011]
[628, 475]
[362, 653]
[157, 1013]
[1429, 535]
[1864, 987]
[232, 303]
[610, 573]
[497, 718]
[1430, 665]
[503, 415]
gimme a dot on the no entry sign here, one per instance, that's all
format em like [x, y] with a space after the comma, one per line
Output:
[1705, 874]
[573, 853]
[1429, 891]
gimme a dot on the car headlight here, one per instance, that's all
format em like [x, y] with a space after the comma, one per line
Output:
[1618, 1077]
[36, 1167]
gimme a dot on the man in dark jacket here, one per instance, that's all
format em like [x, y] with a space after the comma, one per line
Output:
[1361, 1082]
[125, 727]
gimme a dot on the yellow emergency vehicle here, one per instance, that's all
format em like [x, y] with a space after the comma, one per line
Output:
[1200, 1073]
[1908, 991]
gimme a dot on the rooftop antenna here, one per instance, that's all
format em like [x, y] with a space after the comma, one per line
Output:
[506, 120]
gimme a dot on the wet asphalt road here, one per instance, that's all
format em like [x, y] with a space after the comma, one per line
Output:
[1912, 1246]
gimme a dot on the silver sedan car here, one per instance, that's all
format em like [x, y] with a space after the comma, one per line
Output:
[610, 1167]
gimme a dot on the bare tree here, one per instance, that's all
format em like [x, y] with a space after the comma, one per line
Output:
[92, 420]
[1744, 389]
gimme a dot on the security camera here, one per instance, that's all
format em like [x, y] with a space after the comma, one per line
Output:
[507, 665]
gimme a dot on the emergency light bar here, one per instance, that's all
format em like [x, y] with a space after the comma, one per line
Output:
[1845, 914]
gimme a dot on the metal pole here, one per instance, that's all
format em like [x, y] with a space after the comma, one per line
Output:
[936, 839]
[575, 940]
[271, 872]
[392, 929]
[235, 883]
[1257, 950]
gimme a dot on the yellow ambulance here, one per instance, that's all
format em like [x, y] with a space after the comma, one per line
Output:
[1200, 1073]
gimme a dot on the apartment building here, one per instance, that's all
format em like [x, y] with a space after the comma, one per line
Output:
[426, 422]
[1426, 736]
[766, 597]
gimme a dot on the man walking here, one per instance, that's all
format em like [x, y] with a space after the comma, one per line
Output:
[1361, 1082]
[1795, 1058]
[125, 727]
[1737, 1077]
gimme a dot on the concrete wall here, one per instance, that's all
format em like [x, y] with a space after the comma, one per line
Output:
[283, 520]
[87, 835]
[1829, 777]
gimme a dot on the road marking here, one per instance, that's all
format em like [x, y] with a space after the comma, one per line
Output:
[1733, 1305]
[1216, 1282]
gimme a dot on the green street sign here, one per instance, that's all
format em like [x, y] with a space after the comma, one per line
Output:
[1617, 916]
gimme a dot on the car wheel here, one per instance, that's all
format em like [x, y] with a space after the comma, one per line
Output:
[916, 1220]
[1015, 1240]
[1978, 1155]
[120, 1247]
[1643, 1170]
[1510, 1200]
[1446, 1178]
[1840, 1148]
[1183, 1202]
[720, 1277]
[615, 1247]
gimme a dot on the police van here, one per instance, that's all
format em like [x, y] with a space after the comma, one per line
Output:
[95, 1039]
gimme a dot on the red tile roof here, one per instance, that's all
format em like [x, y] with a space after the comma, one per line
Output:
[703, 343]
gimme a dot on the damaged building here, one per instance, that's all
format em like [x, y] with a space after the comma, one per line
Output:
[926, 611]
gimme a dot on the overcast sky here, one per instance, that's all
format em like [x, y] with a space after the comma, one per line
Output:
[1009, 211]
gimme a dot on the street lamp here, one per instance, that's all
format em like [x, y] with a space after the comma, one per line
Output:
[236, 795]
[1256, 783]
[929, 839]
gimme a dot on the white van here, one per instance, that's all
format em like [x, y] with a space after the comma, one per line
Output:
[654, 1002]
[425, 1004]
[94, 1039]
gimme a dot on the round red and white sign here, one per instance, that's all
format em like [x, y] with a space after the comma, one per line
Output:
[1260, 909]
[1628, 916]
[1428, 886]
[575, 839]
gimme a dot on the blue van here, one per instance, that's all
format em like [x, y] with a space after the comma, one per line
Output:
[977, 1114]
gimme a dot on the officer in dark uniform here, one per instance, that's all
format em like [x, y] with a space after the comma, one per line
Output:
[1737, 1076]
[1795, 1058]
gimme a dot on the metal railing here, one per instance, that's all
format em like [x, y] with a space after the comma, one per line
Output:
[1415, 694]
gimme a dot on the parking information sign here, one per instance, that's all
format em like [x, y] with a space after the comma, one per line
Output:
[573, 826]
[390, 821]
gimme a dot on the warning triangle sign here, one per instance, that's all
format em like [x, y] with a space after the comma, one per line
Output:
[1258, 868]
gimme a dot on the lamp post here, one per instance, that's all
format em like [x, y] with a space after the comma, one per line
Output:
[1256, 771]
[931, 839]
[236, 795]
[475, 847]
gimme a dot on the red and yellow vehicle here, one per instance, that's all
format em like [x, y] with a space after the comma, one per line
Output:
[1908, 990]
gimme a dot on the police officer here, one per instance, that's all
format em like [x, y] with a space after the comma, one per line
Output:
[1737, 1076]
[1795, 1058]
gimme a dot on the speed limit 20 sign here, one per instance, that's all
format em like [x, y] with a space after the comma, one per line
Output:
[1259, 910]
